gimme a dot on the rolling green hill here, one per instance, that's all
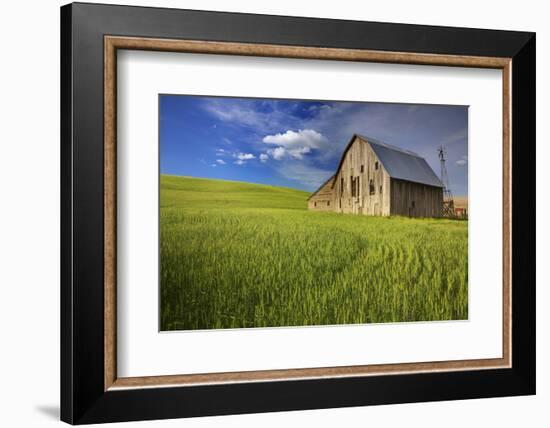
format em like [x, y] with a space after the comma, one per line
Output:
[239, 255]
[198, 193]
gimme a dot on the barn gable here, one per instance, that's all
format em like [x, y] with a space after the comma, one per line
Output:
[329, 182]
[323, 198]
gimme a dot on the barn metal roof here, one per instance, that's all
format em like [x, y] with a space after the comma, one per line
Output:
[400, 164]
[403, 164]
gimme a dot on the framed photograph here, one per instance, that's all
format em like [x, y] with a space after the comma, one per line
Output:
[266, 213]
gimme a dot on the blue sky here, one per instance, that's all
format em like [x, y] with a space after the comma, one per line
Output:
[298, 144]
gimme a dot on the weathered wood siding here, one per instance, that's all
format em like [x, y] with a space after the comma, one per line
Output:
[415, 200]
[351, 191]
[366, 200]
[323, 199]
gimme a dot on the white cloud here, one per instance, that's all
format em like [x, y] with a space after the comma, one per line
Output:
[213, 165]
[221, 152]
[280, 153]
[247, 114]
[277, 153]
[297, 140]
[220, 161]
[294, 144]
[463, 161]
[230, 113]
[299, 152]
[244, 156]
[263, 157]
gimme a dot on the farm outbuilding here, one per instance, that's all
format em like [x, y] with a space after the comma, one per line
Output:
[374, 178]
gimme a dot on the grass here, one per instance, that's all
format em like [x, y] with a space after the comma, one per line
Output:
[237, 255]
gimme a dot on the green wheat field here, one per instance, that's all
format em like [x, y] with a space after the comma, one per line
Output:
[237, 255]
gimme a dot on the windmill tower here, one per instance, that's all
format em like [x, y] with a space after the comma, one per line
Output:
[448, 202]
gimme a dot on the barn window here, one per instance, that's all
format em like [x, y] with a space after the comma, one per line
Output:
[362, 168]
[375, 165]
[358, 187]
[314, 204]
[352, 183]
[328, 203]
[342, 185]
[412, 204]
[371, 187]
[380, 188]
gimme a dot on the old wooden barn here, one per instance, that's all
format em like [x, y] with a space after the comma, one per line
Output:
[374, 178]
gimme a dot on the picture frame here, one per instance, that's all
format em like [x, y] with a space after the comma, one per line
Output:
[91, 391]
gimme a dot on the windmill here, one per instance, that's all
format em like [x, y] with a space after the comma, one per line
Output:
[448, 202]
